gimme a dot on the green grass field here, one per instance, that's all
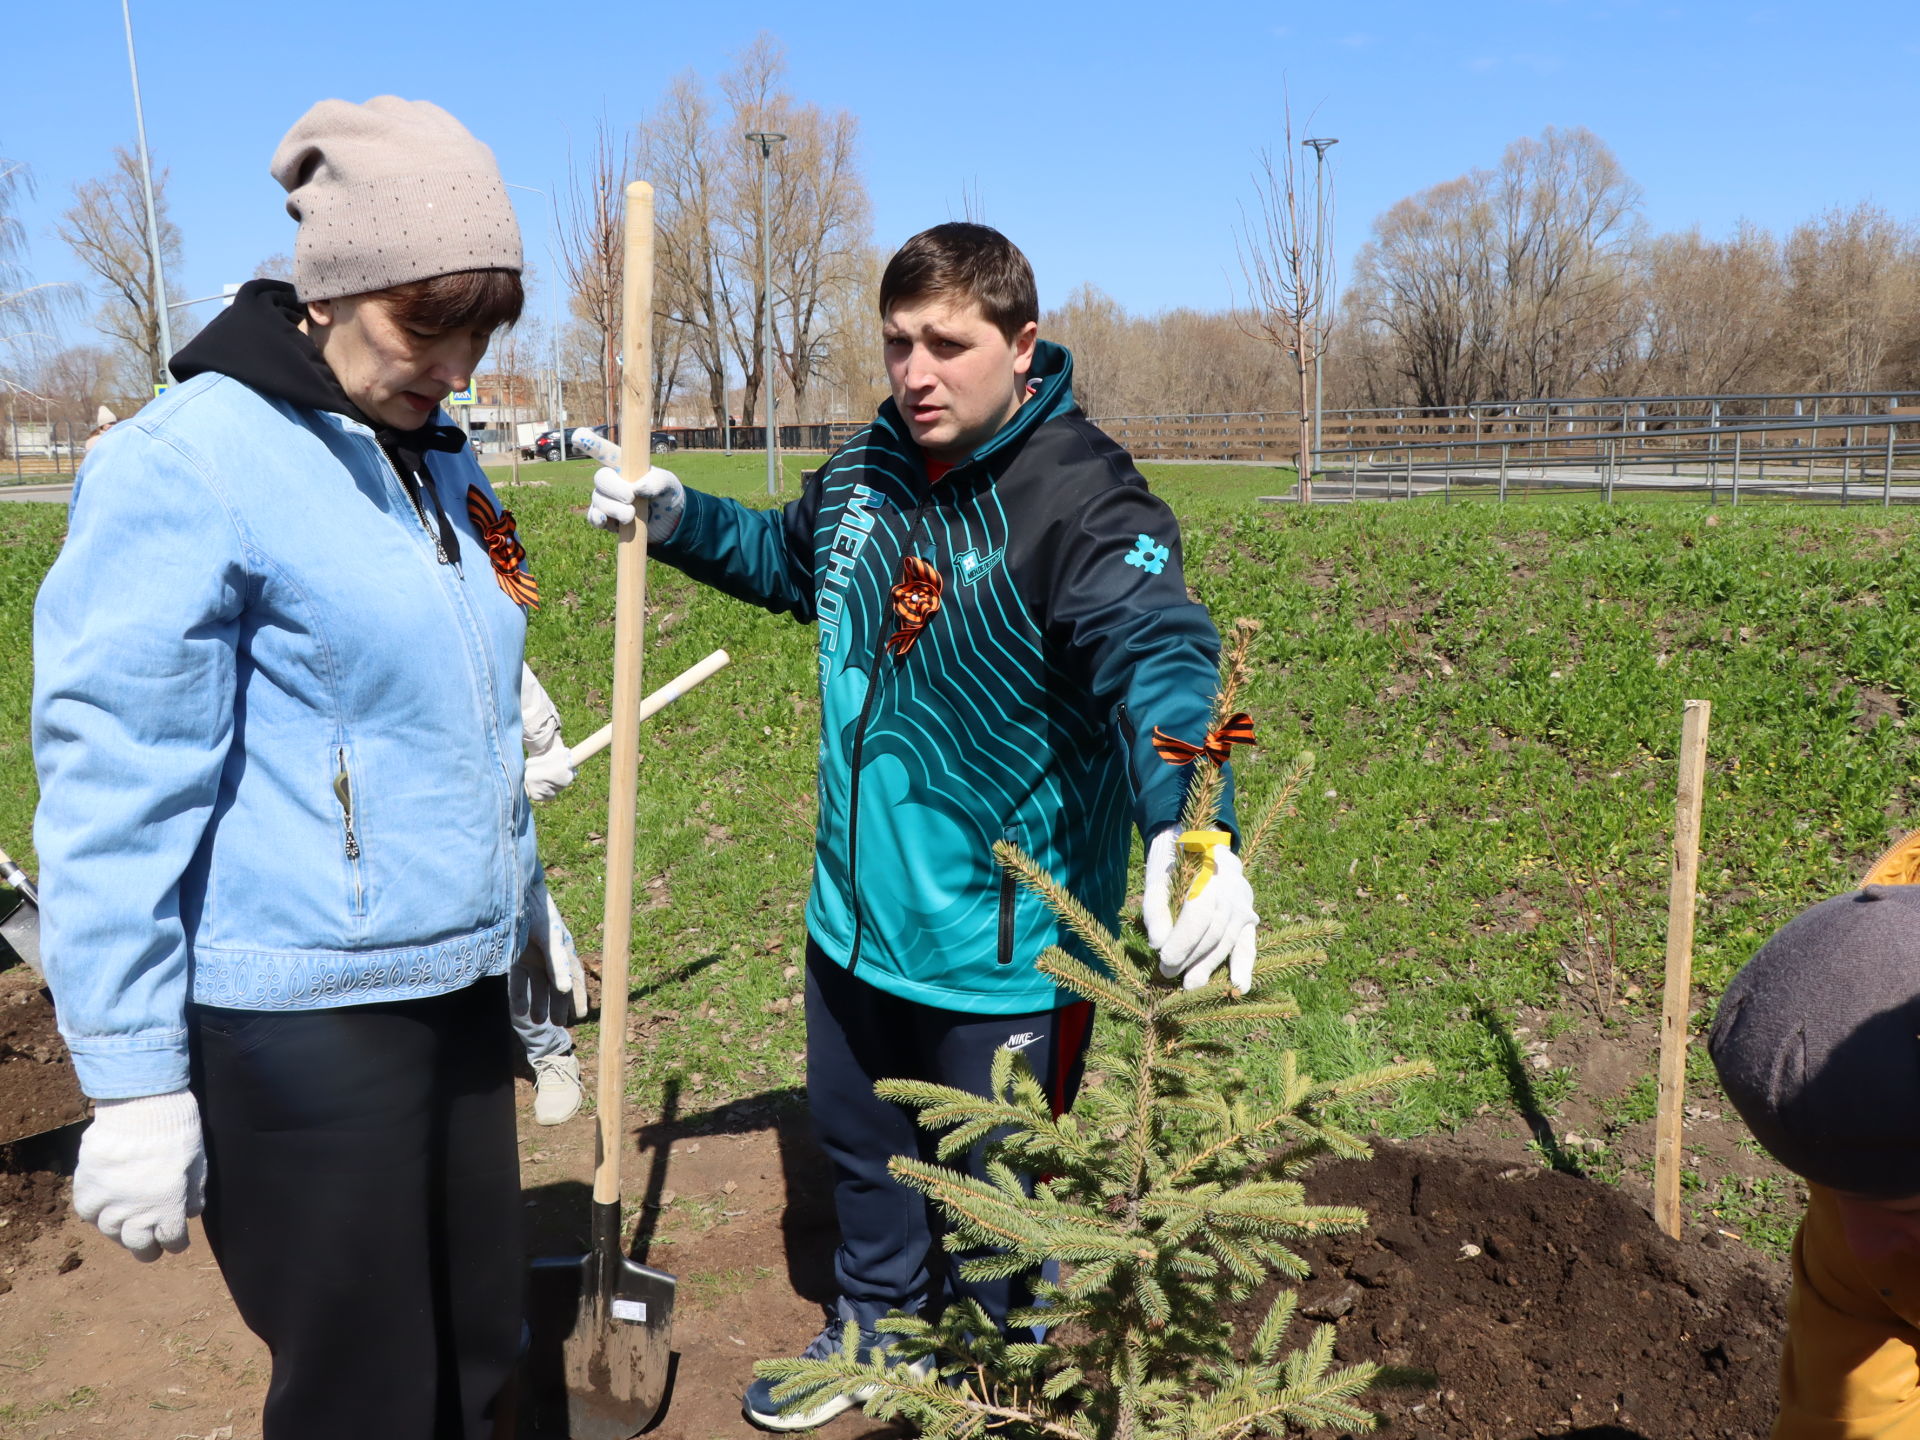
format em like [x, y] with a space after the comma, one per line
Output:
[1494, 694]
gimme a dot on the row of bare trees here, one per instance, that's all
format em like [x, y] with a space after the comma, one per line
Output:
[710, 286]
[106, 229]
[1539, 278]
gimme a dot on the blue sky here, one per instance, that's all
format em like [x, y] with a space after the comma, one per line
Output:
[1112, 141]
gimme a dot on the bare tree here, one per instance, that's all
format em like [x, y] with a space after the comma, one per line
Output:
[755, 102]
[592, 257]
[107, 231]
[854, 370]
[1852, 282]
[1512, 283]
[1288, 272]
[680, 153]
[820, 242]
[75, 380]
[1566, 225]
[1711, 314]
[277, 266]
[26, 309]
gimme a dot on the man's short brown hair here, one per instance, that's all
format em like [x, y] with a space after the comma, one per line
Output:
[964, 261]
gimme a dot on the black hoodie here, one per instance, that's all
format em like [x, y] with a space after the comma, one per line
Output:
[258, 341]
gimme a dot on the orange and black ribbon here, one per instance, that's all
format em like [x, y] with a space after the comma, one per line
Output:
[1234, 730]
[916, 599]
[509, 556]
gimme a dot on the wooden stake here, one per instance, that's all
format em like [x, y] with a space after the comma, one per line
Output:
[629, 616]
[1679, 991]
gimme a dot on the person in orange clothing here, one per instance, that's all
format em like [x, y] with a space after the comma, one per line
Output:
[1817, 1043]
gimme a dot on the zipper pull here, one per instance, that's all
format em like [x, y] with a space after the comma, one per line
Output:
[343, 792]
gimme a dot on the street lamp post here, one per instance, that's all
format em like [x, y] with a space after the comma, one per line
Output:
[1320, 148]
[153, 223]
[766, 140]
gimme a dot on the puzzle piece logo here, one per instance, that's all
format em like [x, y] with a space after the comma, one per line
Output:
[1149, 555]
[973, 565]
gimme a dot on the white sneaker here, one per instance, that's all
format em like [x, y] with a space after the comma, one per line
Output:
[556, 1089]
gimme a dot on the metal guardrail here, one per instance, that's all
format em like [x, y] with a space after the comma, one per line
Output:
[1864, 459]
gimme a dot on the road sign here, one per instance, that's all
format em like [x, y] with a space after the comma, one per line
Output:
[158, 391]
[461, 397]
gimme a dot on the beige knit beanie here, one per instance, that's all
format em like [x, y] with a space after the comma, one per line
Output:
[387, 192]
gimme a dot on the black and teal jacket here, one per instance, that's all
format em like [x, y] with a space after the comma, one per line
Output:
[1023, 711]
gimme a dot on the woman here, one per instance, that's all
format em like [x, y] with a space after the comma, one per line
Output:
[286, 856]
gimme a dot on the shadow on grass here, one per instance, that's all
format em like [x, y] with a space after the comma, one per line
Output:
[1513, 1069]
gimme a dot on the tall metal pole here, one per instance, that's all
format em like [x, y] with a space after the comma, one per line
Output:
[1320, 299]
[766, 139]
[153, 224]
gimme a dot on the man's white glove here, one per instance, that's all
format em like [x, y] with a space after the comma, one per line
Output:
[553, 943]
[1216, 923]
[613, 501]
[142, 1172]
[549, 765]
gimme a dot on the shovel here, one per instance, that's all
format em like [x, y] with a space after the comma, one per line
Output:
[617, 1353]
[20, 924]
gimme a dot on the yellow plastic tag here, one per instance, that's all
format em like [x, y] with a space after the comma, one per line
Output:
[1199, 844]
[1899, 866]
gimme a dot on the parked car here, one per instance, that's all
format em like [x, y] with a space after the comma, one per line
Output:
[547, 445]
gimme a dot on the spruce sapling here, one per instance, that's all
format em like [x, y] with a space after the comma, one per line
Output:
[1170, 1192]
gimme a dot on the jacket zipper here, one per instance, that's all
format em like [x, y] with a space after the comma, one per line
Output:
[473, 626]
[412, 493]
[859, 744]
[343, 792]
[1007, 903]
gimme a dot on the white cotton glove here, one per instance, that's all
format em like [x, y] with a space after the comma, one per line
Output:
[1216, 923]
[142, 1172]
[613, 501]
[549, 765]
[552, 943]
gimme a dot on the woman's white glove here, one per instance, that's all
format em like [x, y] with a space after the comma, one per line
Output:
[143, 1172]
[552, 944]
[613, 501]
[549, 764]
[1216, 923]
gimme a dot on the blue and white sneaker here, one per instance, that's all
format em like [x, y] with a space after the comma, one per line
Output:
[763, 1410]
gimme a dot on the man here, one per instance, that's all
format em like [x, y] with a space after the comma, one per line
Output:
[1817, 1042]
[1003, 625]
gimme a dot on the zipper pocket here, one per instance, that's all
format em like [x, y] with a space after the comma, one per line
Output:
[1009, 894]
[343, 792]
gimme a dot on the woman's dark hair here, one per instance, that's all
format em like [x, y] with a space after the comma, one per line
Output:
[466, 299]
[967, 262]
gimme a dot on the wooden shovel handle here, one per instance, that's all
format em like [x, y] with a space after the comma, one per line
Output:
[629, 618]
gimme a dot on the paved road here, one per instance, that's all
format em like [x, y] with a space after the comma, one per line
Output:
[58, 493]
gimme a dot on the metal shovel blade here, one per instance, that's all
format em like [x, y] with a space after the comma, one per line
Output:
[19, 930]
[613, 1319]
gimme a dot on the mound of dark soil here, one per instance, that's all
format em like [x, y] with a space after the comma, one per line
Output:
[1542, 1303]
[38, 1090]
[38, 1094]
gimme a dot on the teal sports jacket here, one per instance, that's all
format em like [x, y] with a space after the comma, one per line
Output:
[1008, 691]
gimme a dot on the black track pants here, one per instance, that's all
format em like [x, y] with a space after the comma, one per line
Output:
[889, 1255]
[363, 1200]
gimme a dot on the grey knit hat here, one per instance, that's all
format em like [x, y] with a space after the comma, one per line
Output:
[1817, 1042]
[387, 192]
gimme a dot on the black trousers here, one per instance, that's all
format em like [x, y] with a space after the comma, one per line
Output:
[363, 1200]
[856, 1034]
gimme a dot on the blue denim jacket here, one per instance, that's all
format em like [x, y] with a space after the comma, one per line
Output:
[278, 741]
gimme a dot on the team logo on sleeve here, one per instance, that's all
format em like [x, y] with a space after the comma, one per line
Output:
[1149, 555]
